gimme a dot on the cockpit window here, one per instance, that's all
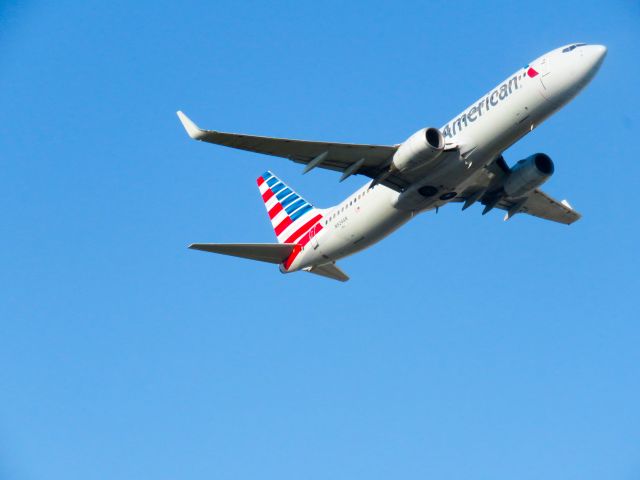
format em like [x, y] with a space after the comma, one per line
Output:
[572, 47]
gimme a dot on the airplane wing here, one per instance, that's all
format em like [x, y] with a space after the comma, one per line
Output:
[536, 203]
[371, 161]
[541, 205]
[348, 158]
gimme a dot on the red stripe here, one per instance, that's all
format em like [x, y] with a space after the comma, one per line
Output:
[304, 240]
[260, 181]
[277, 208]
[282, 225]
[267, 195]
[531, 72]
[298, 248]
[295, 235]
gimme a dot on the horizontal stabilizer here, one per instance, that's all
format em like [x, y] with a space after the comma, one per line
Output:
[263, 252]
[330, 270]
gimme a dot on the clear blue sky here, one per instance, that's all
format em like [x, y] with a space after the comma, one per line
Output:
[463, 347]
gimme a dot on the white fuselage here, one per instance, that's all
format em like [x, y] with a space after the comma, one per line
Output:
[479, 135]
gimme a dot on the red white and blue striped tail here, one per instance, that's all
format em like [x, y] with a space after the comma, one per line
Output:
[290, 214]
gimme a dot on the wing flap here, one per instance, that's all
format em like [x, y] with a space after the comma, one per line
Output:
[263, 252]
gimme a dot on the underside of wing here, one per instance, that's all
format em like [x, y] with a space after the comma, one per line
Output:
[348, 158]
[541, 205]
[535, 202]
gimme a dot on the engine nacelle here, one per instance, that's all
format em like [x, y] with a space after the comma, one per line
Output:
[528, 174]
[419, 149]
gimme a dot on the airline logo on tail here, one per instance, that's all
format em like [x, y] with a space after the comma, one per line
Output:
[291, 215]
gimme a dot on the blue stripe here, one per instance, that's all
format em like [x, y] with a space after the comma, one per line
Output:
[267, 175]
[283, 193]
[296, 205]
[272, 181]
[289, 199]
[277, 188]
[300, 212]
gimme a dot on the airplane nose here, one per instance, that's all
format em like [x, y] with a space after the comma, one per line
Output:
[597, 54]
[600, 51]
[573, 68]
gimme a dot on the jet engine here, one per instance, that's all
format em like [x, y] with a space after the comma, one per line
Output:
[528, 174]
[419, 149]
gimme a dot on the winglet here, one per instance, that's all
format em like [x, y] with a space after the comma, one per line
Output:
[191, 128]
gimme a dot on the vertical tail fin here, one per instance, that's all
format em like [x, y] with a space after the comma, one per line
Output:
[290, 214]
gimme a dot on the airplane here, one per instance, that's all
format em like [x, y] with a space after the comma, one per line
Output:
[461, 162]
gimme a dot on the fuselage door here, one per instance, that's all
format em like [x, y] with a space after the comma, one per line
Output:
[545, 70]
[313, 237]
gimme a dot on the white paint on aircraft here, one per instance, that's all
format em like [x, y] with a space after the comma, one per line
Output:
[460, 162]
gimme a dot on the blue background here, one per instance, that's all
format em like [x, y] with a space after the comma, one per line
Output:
[464, 347]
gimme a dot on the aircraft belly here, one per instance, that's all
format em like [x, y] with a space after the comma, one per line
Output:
[341, 247]
[366, 223]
